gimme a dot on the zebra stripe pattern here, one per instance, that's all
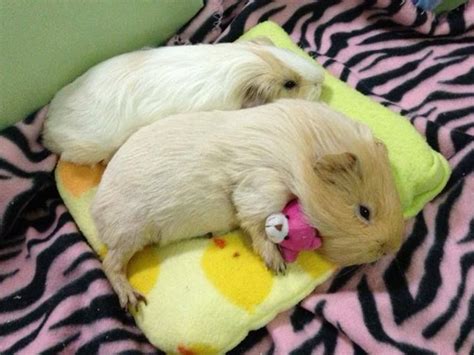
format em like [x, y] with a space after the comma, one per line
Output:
[54, 297]
[422, 66]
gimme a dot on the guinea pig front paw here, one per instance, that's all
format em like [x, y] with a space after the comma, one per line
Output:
[274, 261]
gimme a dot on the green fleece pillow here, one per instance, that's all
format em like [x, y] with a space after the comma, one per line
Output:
[420, 172]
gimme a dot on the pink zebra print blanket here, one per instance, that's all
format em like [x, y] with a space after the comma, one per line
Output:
[54, 297]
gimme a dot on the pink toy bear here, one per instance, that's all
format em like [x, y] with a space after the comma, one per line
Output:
[292, 232]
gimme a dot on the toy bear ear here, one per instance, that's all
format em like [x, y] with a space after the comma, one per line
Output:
[276, 227]
[381, 145]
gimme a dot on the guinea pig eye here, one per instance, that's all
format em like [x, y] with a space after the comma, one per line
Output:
[364, 212]
[289, 84]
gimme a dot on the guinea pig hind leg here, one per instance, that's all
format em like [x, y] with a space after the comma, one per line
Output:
[255, 198]
[115, 268]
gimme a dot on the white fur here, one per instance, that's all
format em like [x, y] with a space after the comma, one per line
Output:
[89, 119]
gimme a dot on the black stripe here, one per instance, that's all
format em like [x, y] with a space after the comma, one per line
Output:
[408, 34]
[253, 338]
[397, 93]
[64, 219]
[101, 307]
[431, 133]
[137, 352]
[358, 350]
[404, 305]
[7, 275]
[421, 18]
[110, 336]
[316, 13]
[88, 255]
[12, 242]
[372, 322]
[371, 82]
[456, 22]
[463, 79]
[229, 10]
[394, 276]
[23, 342]
[469, 235]
[300, 317]
[31, 117]
[425, 114]
[467, 326]
[10, 255]
[458, 52]
[326, 336]
[441, 96]
[237, 27]
[42, 312]
[339, 41]
[17, 137]
[460, 140]
[388, 11]
[461, 170]
[21, 200]
[270, 13]
[203, 30]
[342, 278]
[467, 262]
[44, 205]
[32, 292]
[464, 127]
[62, 345]
[448, 116]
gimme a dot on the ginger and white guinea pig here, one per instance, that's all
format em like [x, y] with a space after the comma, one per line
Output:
[190, 174]
[89, 119]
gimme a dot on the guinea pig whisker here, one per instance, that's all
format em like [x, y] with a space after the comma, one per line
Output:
[348, 270]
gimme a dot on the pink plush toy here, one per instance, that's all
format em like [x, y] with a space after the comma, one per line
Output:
[292, 232]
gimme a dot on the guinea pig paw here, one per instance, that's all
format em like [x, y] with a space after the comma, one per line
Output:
[275, 262]
[128, 297]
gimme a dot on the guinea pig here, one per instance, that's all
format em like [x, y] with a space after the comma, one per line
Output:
[216, 171]
[89, 119]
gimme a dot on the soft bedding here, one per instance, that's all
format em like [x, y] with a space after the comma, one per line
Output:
[54, 297]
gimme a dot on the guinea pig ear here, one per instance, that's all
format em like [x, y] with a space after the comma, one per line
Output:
[381, 145]
[332, 165]
[252, 97]
[262, 40]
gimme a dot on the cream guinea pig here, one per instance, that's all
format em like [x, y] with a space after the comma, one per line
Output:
[89, 119]
[190, 174]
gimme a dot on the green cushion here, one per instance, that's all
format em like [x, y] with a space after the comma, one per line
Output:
[420, 172]
[47, 44]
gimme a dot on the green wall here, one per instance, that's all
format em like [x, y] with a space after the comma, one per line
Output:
[45, 44]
